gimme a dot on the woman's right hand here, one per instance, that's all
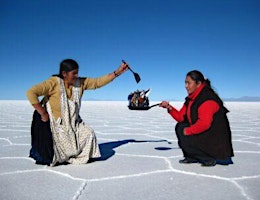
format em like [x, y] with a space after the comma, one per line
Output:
[122, 68]
[45, 117]
[164, 104]
[44, 114]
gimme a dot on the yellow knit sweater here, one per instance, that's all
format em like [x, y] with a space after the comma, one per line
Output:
[50, 88]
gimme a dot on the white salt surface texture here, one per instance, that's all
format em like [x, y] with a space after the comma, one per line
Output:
[139, 158]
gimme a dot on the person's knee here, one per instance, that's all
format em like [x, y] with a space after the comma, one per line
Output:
[179, 127]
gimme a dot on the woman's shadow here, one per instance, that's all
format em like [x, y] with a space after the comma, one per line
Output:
[107, 149]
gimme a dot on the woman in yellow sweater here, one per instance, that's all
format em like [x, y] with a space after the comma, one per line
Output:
[58, 133]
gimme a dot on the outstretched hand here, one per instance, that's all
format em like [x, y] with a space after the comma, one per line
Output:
[164, 104]
[122, 68]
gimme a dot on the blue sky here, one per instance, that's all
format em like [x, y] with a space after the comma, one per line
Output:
[161, 40]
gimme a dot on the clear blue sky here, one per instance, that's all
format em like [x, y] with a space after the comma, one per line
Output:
[161, 40]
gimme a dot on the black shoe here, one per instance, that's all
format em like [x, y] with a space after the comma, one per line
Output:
[188, 161]
[209, 163]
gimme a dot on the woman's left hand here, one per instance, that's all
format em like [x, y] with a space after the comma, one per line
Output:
[184, 131]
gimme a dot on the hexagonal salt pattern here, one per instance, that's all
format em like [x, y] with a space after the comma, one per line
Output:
[139, 158]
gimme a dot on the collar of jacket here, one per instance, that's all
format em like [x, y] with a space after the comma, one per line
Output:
[196, 92]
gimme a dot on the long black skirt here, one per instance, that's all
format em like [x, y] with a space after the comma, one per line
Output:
[41, 141]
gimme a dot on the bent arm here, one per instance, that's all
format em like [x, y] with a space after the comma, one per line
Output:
[42, 89]
[41, 110]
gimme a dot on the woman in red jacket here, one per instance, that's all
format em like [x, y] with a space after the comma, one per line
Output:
[203, 129]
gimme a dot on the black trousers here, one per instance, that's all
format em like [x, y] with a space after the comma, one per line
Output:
[189, 144]
[41, 141]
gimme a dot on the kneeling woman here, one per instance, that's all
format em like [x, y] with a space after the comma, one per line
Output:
[203, 129]
[58, 133]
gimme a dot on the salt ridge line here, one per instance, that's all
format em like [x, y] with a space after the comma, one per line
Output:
[168, 162]
[84, 184]
[16, 130]
[247, 152]
[7, 140]
[242, 141]
[242, 191]
[13, 144]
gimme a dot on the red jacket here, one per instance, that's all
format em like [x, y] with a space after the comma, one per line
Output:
[205, 113]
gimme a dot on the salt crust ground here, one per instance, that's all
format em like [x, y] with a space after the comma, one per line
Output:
[139, 158]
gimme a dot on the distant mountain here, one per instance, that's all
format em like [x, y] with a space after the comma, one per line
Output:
[244, 98]
[92, 99]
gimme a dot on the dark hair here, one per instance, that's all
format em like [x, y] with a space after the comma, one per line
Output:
[197, 76]
[67, 65]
